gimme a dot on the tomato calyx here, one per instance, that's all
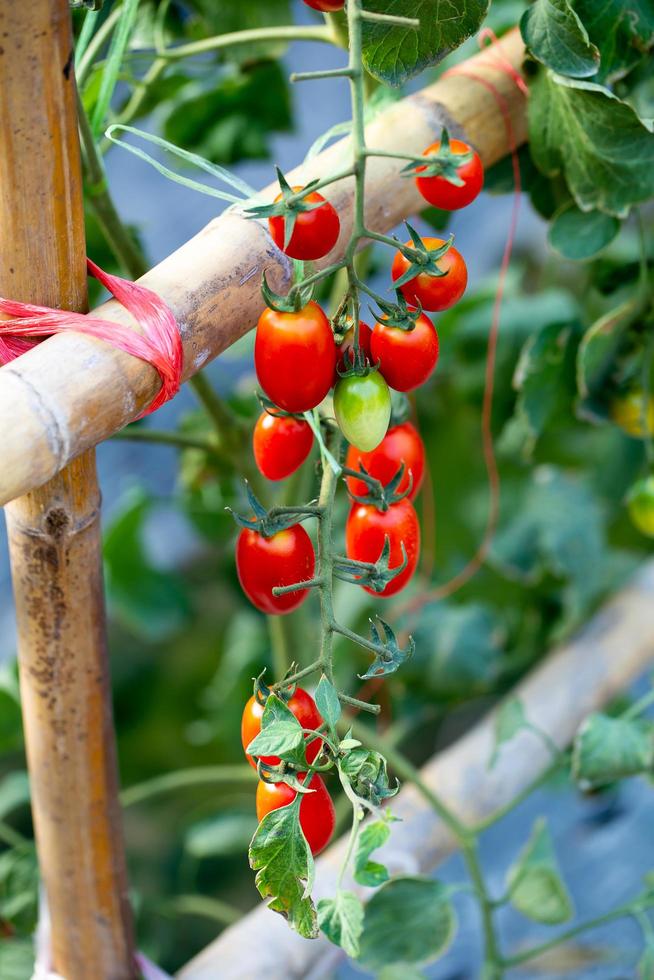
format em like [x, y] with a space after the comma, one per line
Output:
[389, 655]
[295, 300]
[382, 496]
[271, 522]
[399, 315]
[290, 204]
[445, 163]
[277, 413]
[374, 575]
[422, 259]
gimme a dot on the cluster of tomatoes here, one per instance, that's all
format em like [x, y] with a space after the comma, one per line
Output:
[317, 816]
[298, 361]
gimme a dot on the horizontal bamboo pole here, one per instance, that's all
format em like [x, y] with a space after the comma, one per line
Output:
[578, 678]
[72, 392]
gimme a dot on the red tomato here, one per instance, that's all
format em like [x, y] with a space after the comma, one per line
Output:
[364, 538]
[441, 192]
[282, 559]
[401, 444]
[301, 705]
[294, 356]
[314, 233]
[434, 292]
[342, 351]
[406, 357]
[317, 815]
[281, 444]
[327, 6]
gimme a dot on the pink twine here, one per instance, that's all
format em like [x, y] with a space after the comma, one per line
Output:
[160, 344]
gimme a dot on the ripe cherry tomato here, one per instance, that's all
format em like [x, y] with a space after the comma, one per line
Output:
[327, 6]
[627, 412]
[282, 559]
[362, 406]
[401, 444]
[281, 444]
[640, 503]
[406, 358]
[295, 356]
[441, 192]
[317, 815]
[365, 530]
[314, 232]
[434, 292]
[301, 705]
[343, 360]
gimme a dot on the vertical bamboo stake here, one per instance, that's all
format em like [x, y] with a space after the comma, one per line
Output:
[54, 532]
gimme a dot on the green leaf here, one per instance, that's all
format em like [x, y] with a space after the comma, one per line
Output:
[556, 37]
[458, 647]
[16, 959]
[509, 720]
[11, 722]
[534, 882]
[606, 749]
[233, 118]
[367, 772]
[326, 699]
[623, 32]
[545, 380]
[579, 234]
[596, 357]
[341, 919]
[153, 604]
[280, 735]
[283, 861]
[14, 792]
[367, 872]
[224, 835]
[558, 530]
[113, 62]
[394, 54]
[582, 130]
[409, 920]
[400, 971]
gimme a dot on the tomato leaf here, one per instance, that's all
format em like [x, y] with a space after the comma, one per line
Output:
[535, 885]
[580, 235]
[582, 130]
[341, 919]
[623, 32]
[645, 967]
[596, 357]
[556, 36]
[327, 702]
[606, 749]
[409, 920]
[280, 735]
[283, 861]
[367, 872]
[367, 773]
[509, 720]
[394, 54]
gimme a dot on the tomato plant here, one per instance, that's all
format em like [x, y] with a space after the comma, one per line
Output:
[280, 443]
[362, 405]
[265, 562]
[317, 815]
[300, 704]
[315, 232]
[402, 445]
[295, 357]
[434, 292]
[365, 532]
[444, 193]
[406, 358]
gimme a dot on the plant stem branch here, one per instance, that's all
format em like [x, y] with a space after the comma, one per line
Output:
[198, 776]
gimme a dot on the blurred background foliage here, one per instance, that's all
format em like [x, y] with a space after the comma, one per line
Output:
[186, 643]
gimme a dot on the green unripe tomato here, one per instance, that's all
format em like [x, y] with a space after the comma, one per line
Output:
[640, 504]
[628, 411]
[363, 409]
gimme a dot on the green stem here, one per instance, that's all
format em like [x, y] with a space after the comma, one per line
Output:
[101, 36]
[116, 233]
[199, 776]
[178, 439]
[621, 912]
[281, 641]
[203, 906]
[470, 854]
[326, 559]
[351, 844]
[299, 674]
[11, 837]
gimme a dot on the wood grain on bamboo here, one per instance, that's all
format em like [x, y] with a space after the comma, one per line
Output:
[71, 392]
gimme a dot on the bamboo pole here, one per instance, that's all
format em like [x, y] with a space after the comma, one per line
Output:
[72, 392]
[54, 532]
[583, 675]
